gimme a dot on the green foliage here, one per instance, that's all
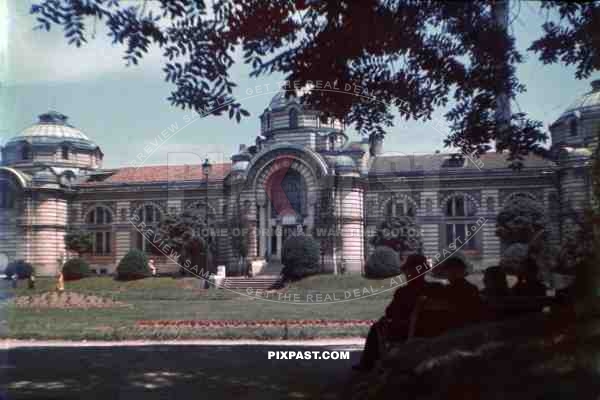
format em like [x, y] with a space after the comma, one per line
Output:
[238, 229]
[383, 263]
[78, 241]
[401, 234]
[179, 231]
[300, 257]
[134, 265]
[21, 268]
[75, 268]
[519, 221]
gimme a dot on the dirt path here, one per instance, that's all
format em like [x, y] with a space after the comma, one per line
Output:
[180, 370]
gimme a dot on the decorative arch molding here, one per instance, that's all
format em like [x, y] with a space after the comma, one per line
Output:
[513, 195]
[445, 199]
[282, 150]
[397, 197]
[16, 174]
[135, 206]
[199, 205]
[87, 208]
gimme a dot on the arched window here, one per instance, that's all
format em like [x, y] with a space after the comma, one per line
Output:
[268, 121]
[293, 118]
[26, 152]
[148, 218]
[99, 220]
[573, 127]
[64, 151]
[460, 225]
[403, 207]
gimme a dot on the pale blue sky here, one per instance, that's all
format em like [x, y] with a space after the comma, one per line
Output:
[123, 109]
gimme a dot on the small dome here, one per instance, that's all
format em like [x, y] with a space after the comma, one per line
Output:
[281, 101]
[52, 125]
[587, 103]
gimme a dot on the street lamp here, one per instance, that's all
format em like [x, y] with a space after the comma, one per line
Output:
[206, 166]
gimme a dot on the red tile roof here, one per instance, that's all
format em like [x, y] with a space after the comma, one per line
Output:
[164, 173]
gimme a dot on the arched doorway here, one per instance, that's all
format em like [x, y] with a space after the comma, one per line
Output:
[286, 209]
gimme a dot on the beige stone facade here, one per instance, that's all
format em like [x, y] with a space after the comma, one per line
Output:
[297, 170]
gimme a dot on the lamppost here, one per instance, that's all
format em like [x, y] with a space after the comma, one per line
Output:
[206, 166]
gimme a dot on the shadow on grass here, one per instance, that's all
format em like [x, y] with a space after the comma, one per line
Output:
[163, 371]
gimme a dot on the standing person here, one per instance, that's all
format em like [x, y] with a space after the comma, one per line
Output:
[395, 324]
[152, 267]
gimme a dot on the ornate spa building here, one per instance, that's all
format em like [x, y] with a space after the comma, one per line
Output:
[298, 174]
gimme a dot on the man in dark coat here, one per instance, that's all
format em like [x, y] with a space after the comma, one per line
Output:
[394, 326]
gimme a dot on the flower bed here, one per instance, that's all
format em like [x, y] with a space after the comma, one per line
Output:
[204, 323]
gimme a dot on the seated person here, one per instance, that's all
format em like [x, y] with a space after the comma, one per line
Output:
[394, 325]
[495, 282]
[458, 303]
[528, 283]
[495, 292]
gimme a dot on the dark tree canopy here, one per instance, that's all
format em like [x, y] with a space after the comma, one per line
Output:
[411, 56]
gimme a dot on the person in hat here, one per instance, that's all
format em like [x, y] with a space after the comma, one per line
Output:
[394, 326]
[459, 294]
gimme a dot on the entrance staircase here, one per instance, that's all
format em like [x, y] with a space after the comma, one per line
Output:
[261, 282]
[269, 278]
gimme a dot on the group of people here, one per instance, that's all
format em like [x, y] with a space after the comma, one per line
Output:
[450, 306]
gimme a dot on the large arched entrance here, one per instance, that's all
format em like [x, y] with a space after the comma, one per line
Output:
[287, 209]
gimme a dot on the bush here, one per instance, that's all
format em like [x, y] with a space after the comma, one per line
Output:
[300, 257]
[134, 265]
[383, 263]
[75, 269]
[401, 234]
[22, 268]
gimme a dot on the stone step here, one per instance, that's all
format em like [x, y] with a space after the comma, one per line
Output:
[263, 282]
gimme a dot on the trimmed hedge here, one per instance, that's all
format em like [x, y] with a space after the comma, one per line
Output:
[75, 269]
[134, 265]
[383, 263]
[22, 268]
[300, 257]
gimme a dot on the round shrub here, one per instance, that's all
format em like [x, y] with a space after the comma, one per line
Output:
[383, 263]
[21, 268]
[75, 269]
[300, 257]
[134, 265]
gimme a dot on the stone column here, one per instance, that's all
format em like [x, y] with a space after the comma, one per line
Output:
[490, 242]
[279, 233]
[262, 218]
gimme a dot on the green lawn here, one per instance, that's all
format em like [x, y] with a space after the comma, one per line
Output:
[174, 299]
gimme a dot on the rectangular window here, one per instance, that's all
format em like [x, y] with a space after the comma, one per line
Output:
[462, 235]
[102, 243]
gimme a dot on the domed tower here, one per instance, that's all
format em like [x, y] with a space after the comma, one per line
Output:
[286, 119]
[38, 168]
[52, 141]
[579, 124]
[574, 139]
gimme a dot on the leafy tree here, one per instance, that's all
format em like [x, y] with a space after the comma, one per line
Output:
[401, 234]
[415, 56]
[79, 241]
[383, 263]
[520, 221]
